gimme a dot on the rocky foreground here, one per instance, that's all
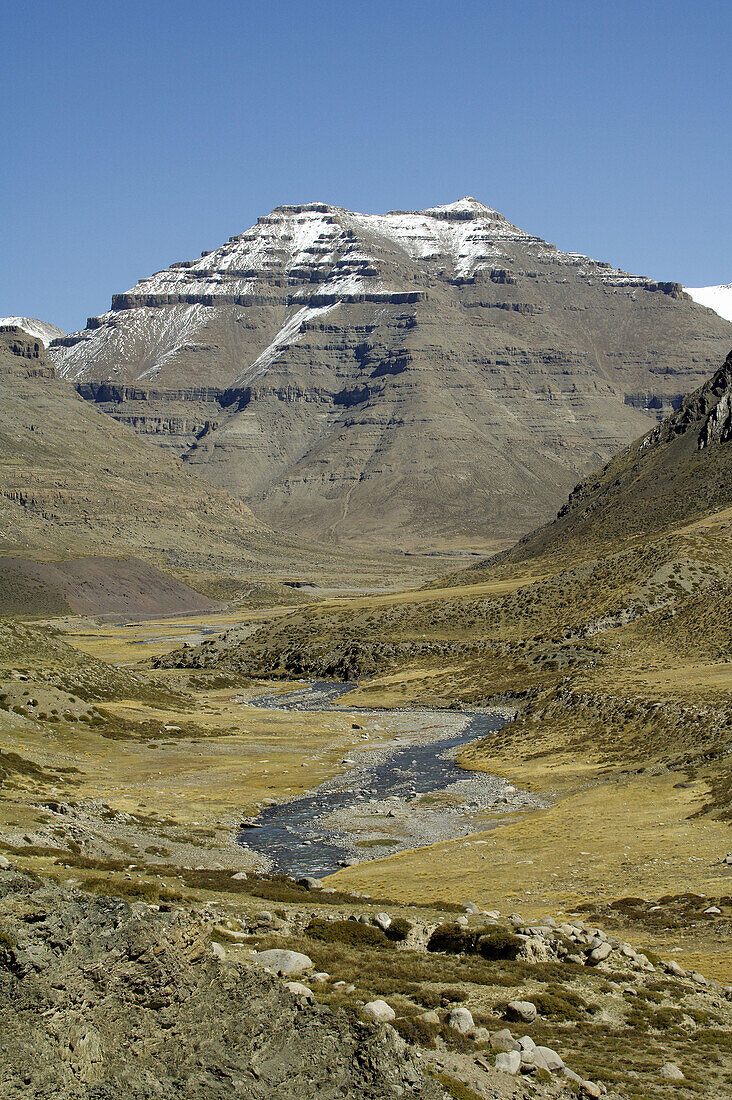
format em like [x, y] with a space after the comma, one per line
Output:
[326, 995]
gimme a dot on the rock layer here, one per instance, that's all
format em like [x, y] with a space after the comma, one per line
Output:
[434, 374]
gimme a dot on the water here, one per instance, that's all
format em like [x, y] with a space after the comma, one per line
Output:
[293, 835]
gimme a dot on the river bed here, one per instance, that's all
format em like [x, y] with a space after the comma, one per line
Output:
[406, 791]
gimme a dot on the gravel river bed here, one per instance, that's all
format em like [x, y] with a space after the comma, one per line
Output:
[406, 791]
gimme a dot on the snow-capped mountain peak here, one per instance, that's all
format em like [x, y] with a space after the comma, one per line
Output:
[718, 298]
[39, 330]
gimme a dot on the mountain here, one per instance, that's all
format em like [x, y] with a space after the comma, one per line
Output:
[718, 298]
[39, 330]
[410, 378]
[73, 482]
[678, 472]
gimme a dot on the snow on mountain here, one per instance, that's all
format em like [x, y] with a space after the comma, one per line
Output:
[718, 298]
[39, 330]
[322, 255]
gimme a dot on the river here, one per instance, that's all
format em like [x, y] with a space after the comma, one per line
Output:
[403, 794]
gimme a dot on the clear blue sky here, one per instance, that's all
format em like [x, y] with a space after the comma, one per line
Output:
[139, 133]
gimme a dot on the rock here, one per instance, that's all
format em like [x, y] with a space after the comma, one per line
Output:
[527, 1043]
[382, 921]
[481, 1035]
[308, 882]
[282, 961]
[509, 1062]
[240, 876]
[218, 950]
[532, 1060]
[713, 910]
[494, 914]
[671, 1072]
[379, 1011]
[576, 959]
[521, 1010]
[590, 1088]
[4, 863]
[461, 1019]
[727, 858]
[320, 977]
[599, 954]
[470, 907]
[673, 968]
[553, 1061]
[504, 1041]
[430, 1017]
[300, 990]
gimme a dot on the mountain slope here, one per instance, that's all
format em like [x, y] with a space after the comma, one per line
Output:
[38, 330]
[430, 375]
[73, 482]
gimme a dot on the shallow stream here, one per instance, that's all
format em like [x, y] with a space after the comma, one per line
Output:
[378, 805]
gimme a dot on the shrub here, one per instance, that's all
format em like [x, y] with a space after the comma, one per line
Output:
[499, 944]
[398, 930]
[350, 932]
[416, 1030]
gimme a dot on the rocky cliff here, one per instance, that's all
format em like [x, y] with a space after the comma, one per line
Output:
[438, 374]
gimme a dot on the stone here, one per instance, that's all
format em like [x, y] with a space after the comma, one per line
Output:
[494, 914]
[509, 1061]
[527, 1043]
[461, 1019]
[673, 968]
[576, 959]
[430, 1017]
[379, 1011]
[671, 1072]
[320, 977]
[592, 1089]
[481, 1035]
[4, 863]
[470, 907]
[382, 921]
[282, 961]
[300, 990]
[308, 882]
[713, 910]
[553, 1061]
[504, 1041]
[240, 876]
[599, 954]
[521, 1010]
[218, 950]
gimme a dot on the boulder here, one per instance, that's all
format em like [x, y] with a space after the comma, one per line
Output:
[671, 1072]
[4, 863]
[283, 962]
[240, 876]
[461, 1019]
[470, 907]
[509, 1061]
[379, 1011]
[552, 1060]
[382, 921]
[504, 1041]
[599, 954]
[521, 1010]
[308, 882]
[300, 990]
